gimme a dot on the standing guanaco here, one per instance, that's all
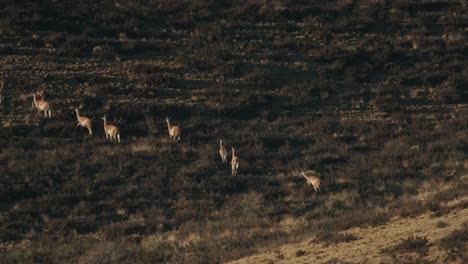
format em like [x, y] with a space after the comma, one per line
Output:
[40, 94]
[222, 151]
[174, 131]
[41, 105]
[2, 83]
[83, 121]
[234, 163]
[312, 180]
[111, 131]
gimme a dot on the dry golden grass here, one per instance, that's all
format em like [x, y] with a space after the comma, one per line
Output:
[367, 249]
[372, 241]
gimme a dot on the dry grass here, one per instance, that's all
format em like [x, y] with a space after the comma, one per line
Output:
[372, 240]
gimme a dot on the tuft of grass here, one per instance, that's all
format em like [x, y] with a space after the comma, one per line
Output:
[300, 253]
[330, 238]
[412, 244]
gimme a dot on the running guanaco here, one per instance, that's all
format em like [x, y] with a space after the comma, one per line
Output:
[222, 151]
[111, 131]
[312, 180]
[83, 121]
[234, 163]
[174, 131]
[42, 105]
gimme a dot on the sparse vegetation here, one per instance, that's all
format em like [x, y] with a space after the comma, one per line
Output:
[456, 244]
[334, 238]
[414, 244]
[369, 94]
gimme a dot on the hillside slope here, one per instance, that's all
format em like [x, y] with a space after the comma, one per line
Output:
[379, 244]
[369, 95]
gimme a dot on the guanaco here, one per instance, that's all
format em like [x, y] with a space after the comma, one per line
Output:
[40, 94]
[2, 83]
[312, 180]
[111, 131]
[83, 121]
[174, 131]
[41, 105]
[234, 163]
[222, 151]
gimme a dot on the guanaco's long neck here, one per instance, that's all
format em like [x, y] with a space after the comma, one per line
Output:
[220, 144]
[34, 100]
[233, 153]
[105, 124]
[168, 125]
[77, 114]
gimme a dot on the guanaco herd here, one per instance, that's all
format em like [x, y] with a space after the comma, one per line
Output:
[112, 132]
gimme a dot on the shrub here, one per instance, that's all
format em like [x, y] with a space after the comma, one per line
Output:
[54, 39]
[69, 51]
[206, 58]
[7, 50]
[419, 245]
[109, 252]
[146, 69]
[456, 244]
[32, 41]
[159, 80]
[257, 77]
[229, 70]
[103, 52]
[334, 238]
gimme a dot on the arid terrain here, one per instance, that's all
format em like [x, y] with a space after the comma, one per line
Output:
[419, 239]
[369, 96]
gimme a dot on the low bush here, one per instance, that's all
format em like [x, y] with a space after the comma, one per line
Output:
[334, 238]
[256, 77]
[415, 244]
[456, 244]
